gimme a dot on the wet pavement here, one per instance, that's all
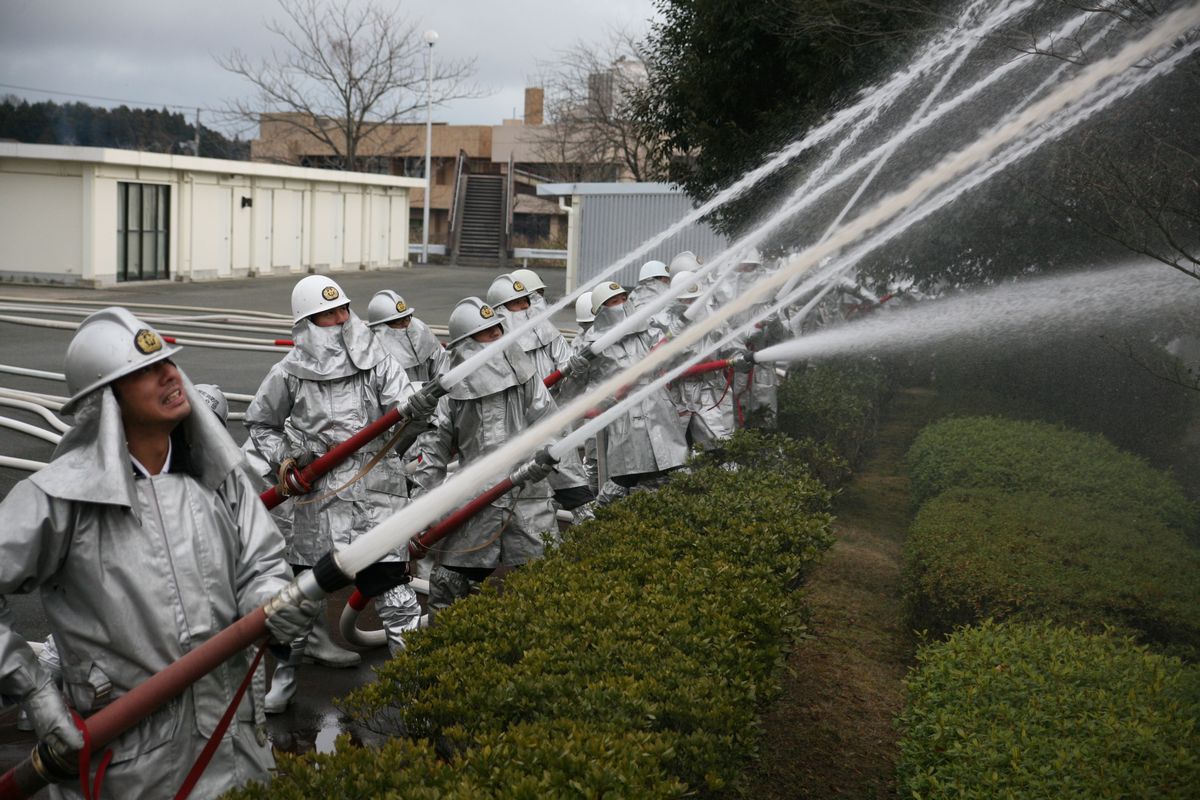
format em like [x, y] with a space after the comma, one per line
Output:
[313, 721]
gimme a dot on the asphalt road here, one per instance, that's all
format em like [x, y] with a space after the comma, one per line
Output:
[313, 721]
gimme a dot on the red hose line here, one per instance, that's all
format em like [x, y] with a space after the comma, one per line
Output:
[309, 475]
[135, 705]
[552, 378]
[419, 545]
[703, 367]
[358, 601]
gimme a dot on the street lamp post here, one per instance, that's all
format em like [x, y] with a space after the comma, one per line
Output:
[430, 38]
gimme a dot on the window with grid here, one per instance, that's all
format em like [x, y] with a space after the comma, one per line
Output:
[143, 214]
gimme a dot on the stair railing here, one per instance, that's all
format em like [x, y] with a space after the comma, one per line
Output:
[460, 175]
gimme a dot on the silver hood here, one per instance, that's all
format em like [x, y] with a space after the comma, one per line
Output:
[322, 354]
[411, 346]
[92, 464]
[507, 368]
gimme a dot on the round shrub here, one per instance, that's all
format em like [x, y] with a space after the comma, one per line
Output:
[978, 553]
[1014, 456]
[1015, 710]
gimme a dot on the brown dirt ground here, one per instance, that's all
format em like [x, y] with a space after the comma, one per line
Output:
[829, 733]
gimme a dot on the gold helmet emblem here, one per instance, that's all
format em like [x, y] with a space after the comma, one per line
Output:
[401, 306]
[146, 341]
[520, 287]
[615, 286]
[330, 293]
[486, 312]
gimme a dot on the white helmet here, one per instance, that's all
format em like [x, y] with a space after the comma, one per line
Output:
[685, 261]
[215, 398]
[471, 315]
[605, 292]
[583, 308]
[507, 288]
[387, 306]
[314, 294]
[688, 280]
[531, 279]
[653, 269]
[110, 344]
[753, 257]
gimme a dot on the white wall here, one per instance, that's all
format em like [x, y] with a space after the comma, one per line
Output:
[36, 243]
[58, 216]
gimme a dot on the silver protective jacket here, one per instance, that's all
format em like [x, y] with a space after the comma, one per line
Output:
[415, 348]
[756, 392]
[134, 573]
[649, 437]
[705, 402]
[544, 343]
[297, 416]
[477, 417]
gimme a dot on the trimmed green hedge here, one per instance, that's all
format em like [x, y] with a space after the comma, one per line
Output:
[1025, 711]
[668, 617]
[980, 553]
[833, 408]
[991, 453]
[540, 760]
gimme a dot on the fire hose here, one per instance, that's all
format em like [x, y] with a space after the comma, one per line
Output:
[44, 766]
[336, 569]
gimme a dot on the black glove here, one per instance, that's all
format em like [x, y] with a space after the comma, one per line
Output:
[573, 497]
[377, 578]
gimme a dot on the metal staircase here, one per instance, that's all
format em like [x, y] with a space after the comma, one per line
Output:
[479, 237]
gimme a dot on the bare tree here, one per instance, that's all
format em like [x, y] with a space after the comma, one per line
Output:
[590, 132]
[1136, 183]
[343, 71]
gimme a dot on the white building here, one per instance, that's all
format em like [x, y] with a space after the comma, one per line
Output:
[95, 217]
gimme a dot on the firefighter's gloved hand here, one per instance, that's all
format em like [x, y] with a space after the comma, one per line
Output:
[573, 497]
[743, 361]
[421, 405]
[290, 482]
[292, 620]
[577, 367]
[532, 472]
[51, 720]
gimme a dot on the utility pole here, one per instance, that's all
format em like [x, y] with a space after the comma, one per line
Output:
[430, 38]
[196, 143]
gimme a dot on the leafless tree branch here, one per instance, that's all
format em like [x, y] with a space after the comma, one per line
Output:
[342, 73]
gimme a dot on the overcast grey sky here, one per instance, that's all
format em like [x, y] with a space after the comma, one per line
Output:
[162, 51]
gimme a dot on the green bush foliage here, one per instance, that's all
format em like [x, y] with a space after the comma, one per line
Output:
[1016, 710]
[539, 760]
[657, 627]
[1015, 456]
[834, 408]
[978, 553]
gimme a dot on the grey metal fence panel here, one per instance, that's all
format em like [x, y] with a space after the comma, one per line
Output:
[613, 225]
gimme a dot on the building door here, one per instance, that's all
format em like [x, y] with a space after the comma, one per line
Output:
[143, 214]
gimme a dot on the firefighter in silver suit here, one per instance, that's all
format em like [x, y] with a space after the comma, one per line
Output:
[145, 539]
[495, 402]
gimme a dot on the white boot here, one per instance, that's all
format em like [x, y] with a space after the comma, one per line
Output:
[283, 688]
[321, 649]
[400, 612]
